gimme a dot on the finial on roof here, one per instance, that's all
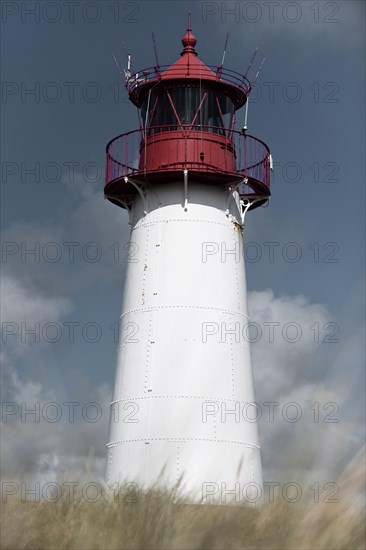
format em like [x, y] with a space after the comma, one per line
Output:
[189, 40]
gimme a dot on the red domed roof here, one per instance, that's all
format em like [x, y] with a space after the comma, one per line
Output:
[189, 65]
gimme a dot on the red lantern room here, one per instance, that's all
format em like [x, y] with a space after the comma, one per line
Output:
[187, 116]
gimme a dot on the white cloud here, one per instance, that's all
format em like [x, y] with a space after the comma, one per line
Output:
[36, 448]
[20, 304]
[78, 251]
[317, 377]
[39, 449]
[24, 314]
[36, 290]
[281, 359]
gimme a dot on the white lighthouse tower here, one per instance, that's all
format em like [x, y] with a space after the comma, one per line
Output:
[182, 409]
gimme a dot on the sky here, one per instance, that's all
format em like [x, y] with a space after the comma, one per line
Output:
[62, 101]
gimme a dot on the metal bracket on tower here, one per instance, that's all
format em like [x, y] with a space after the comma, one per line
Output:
[231, 194]
[185, 205]
[244, 207]
[245, 204]
[126, 204]
[140, 192]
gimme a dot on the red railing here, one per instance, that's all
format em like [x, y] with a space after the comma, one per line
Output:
[223, 75]
[128, 154]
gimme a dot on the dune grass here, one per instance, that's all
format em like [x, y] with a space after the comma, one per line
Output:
[159, 519]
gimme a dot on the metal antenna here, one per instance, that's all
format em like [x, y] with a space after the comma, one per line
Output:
[245, 127]
[251, 61]
[189, 20]
[223, 55]
[129, 65]
[118, 67]
[156, 53]
[259, 70]
[125, 49]
[128, 57]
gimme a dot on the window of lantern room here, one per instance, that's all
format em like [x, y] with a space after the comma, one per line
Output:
[188, 108]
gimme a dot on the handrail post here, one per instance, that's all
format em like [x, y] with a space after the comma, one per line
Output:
[126, 155]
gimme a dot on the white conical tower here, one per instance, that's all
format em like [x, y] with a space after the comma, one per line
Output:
[183, 408]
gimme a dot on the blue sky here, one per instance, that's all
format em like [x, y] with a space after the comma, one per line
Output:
[314, 126]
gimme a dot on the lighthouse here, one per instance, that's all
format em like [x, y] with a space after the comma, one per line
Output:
[183, 409]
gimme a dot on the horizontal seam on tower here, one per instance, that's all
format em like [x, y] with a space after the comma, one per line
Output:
[154, 308]
[182, 440]
[228, 225]
[223, 399]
